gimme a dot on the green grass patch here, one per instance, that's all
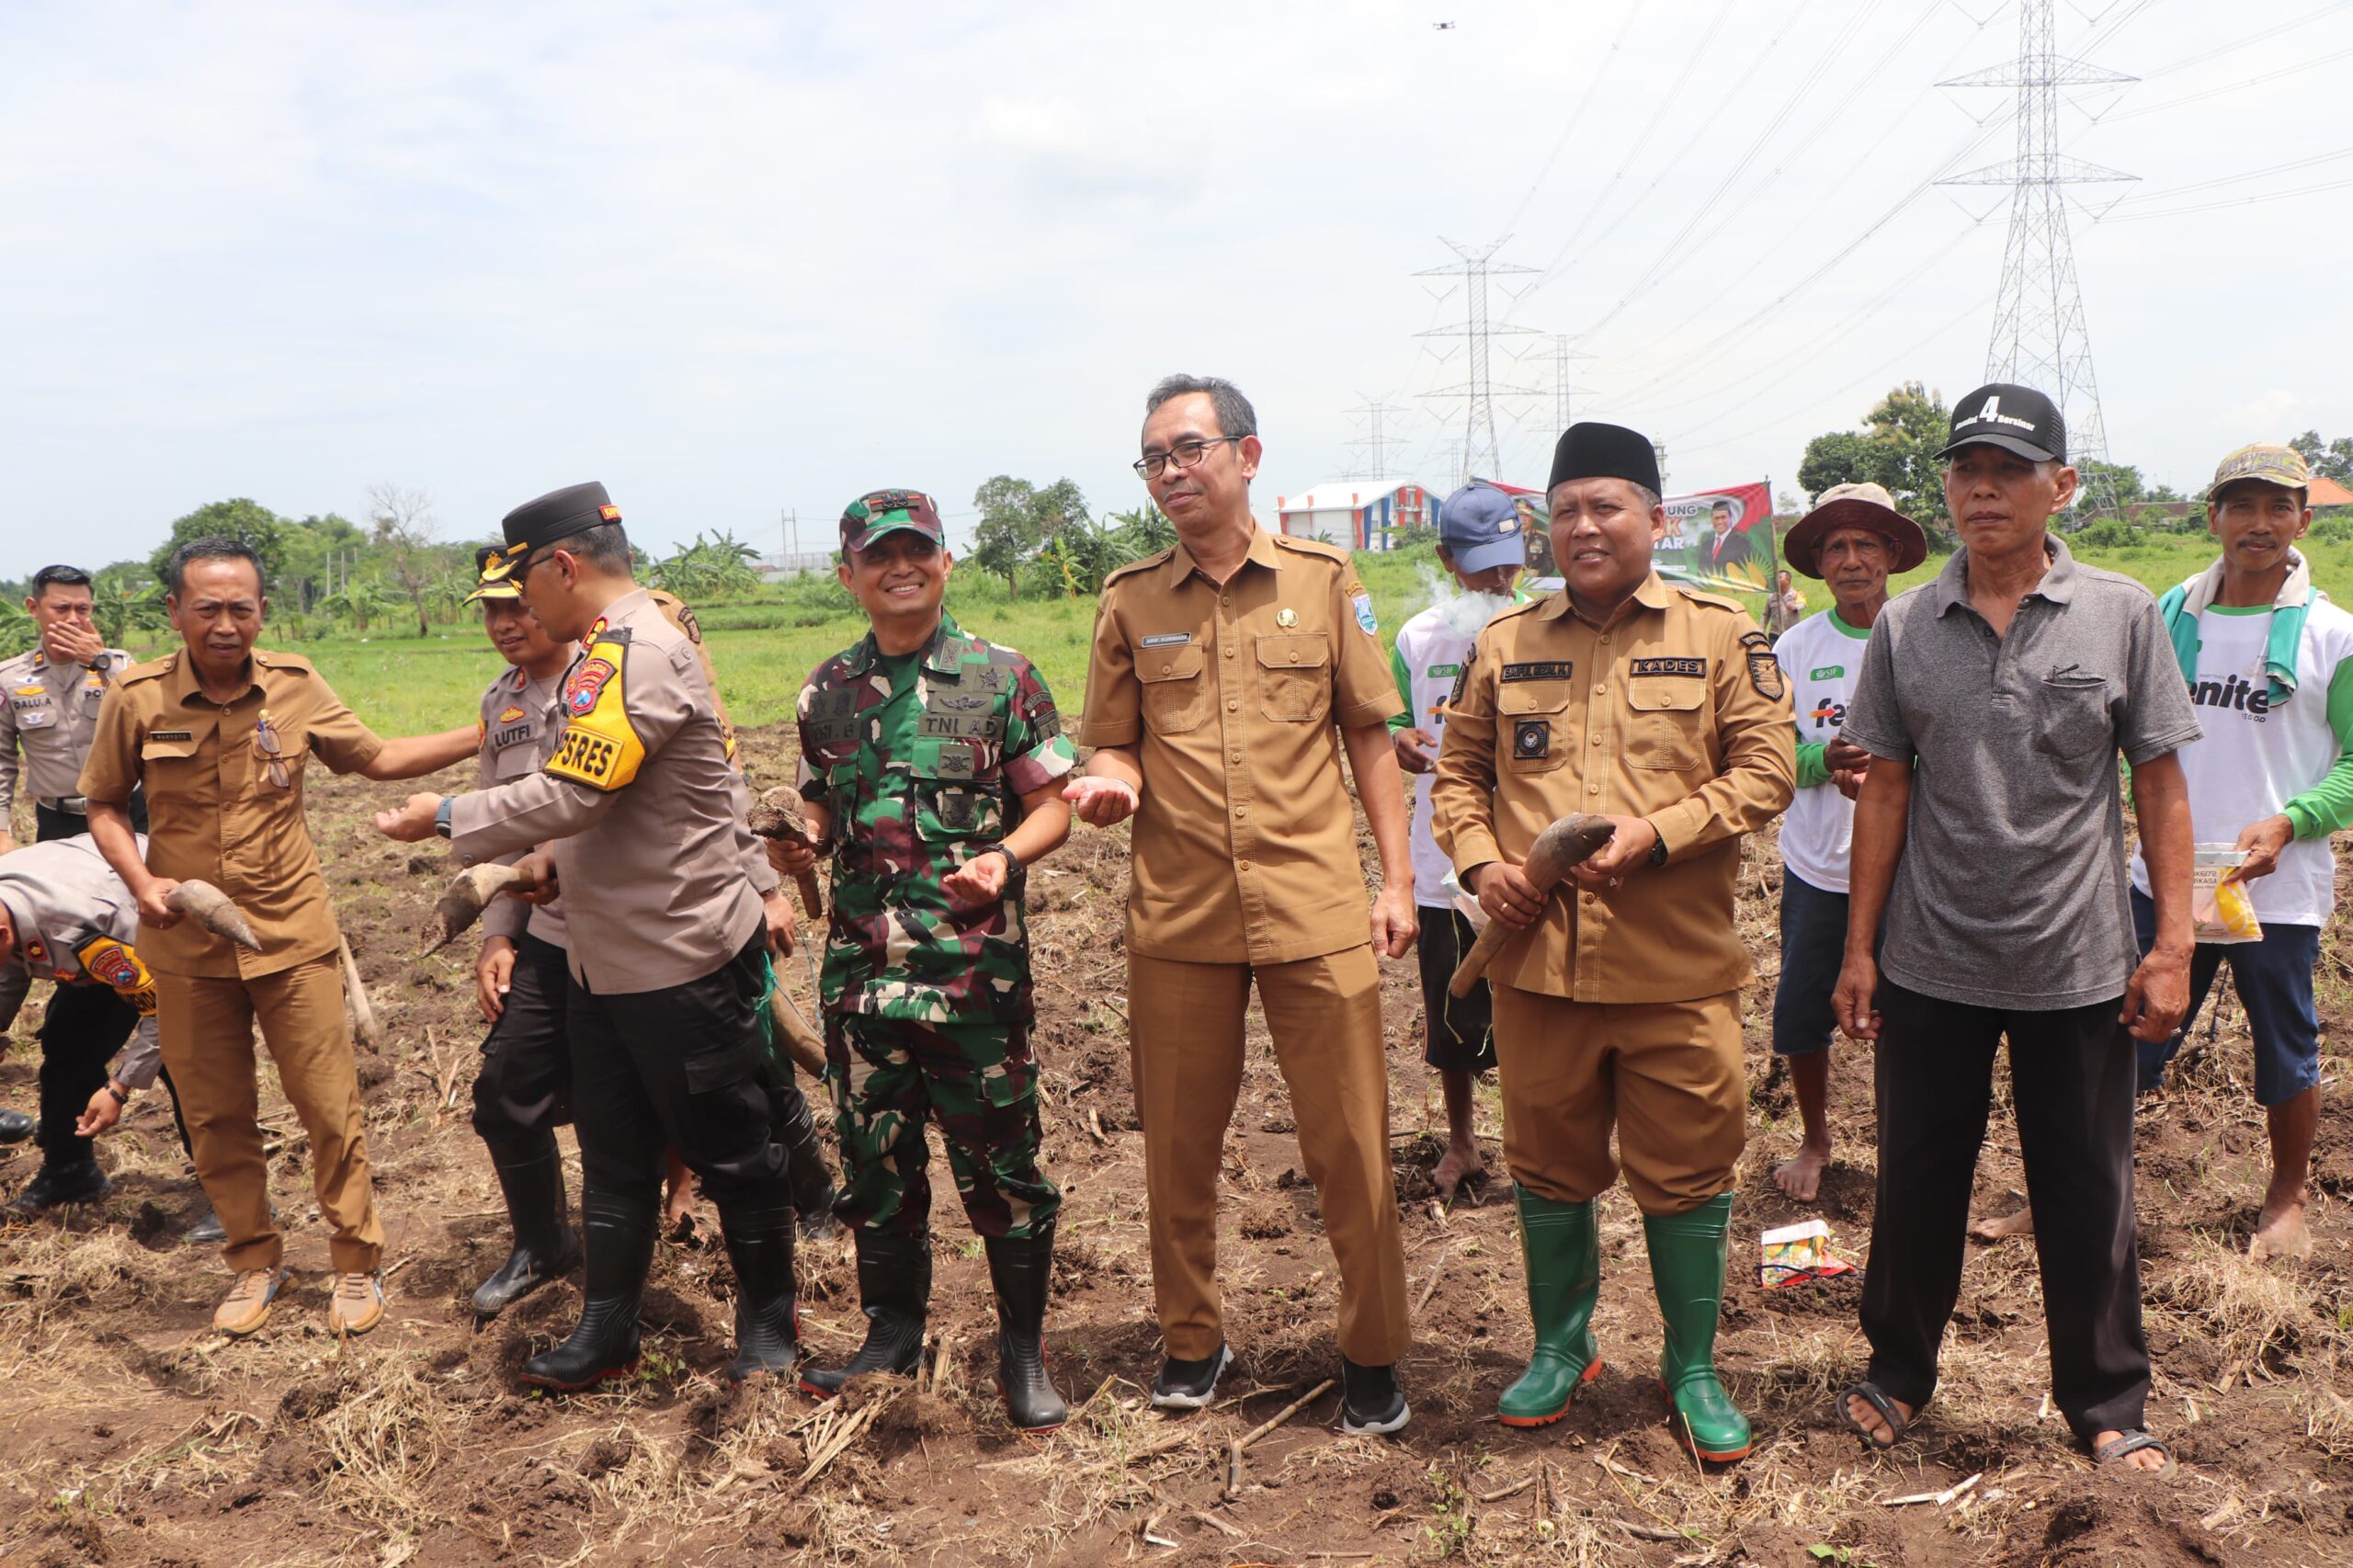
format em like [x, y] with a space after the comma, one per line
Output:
[765, 647]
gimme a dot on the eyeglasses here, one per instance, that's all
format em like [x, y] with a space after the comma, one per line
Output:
[266, 740]
[1182, 456]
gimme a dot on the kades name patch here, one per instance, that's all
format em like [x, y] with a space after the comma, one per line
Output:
[1549, 669]
[1695, 667]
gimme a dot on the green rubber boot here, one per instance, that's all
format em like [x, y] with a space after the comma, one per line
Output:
[1561, 1243]
[1687, 1255]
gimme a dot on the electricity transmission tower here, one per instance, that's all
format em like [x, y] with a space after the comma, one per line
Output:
[1370, 458]
[1480, 455]
[2039, 338]
[1562, 355]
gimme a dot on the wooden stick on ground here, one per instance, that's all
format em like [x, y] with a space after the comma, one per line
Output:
[1514, 1490]
[1234, 1457]
[355, 991]
[1429, 1288]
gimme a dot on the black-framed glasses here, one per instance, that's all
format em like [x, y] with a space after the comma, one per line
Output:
[266, 741]
[1182, 456]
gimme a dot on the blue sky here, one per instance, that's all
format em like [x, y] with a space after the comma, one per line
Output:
[738, 258]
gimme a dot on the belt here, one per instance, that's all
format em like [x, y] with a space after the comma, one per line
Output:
[75, 804]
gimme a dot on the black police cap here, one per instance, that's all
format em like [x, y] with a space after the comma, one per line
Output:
[1591, 450]
[573, 510]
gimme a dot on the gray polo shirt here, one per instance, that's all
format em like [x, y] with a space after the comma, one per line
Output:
[2012, 891]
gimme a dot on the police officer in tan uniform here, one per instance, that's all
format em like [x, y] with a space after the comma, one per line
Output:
[220, 734]
[1228, 676]
[51, 712]
[672, 909]
[1662, 709]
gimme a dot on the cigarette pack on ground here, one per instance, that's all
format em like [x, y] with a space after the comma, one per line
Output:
[2220, 909]
[1798, 1251]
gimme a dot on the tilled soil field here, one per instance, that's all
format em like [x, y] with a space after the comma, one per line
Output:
[130, 1434]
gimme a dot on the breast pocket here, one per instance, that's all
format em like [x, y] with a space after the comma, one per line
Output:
[1531, 725]
[169, 762]
[1667, 722]
[1295, 676]
[950, 811]
[2071, 715]
[1176, 693]
[37, 716]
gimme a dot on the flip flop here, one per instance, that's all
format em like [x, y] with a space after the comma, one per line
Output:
[2132, 1442]
[1871, 1393]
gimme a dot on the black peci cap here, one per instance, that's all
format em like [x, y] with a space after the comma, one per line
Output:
[1589, 450]
[2017, 419]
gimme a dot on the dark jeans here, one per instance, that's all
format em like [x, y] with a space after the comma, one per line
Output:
[1813, 949]
[2072, 1077]
[2274, 978]
[525, 1086]
[679, 1066]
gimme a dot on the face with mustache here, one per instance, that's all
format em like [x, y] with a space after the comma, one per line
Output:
[1854, 562]
[1212, 495]
[2255, 521]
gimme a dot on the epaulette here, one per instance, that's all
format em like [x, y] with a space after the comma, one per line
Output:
[1157, 558]
[150, 669]
[294, 661]
[1717, 600]
[1503, 615]
[1314, 547]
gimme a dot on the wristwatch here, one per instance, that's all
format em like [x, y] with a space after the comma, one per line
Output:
[442, 815]
[1012, 862]
[1658, 850]
[120, 1099]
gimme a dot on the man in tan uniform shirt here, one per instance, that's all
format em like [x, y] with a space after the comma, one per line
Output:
[1228, 675]
[1662, 709]
[219, 735]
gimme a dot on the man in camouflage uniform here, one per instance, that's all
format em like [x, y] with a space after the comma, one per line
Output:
[932, 763]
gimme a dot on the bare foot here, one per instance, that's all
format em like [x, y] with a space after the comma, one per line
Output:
[1461, 1162]
[2280, 1232]
[2139, 1458]
[1873, 1423]
[2020, 1223]
[1800, 1174]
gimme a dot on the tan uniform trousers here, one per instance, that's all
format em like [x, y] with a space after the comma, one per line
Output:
[1667, 1075]
[1187, 1041]
[206, 1028]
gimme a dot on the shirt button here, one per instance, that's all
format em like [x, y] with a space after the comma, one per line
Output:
[1601, 691]
[1593, 788]
[1239, 810]
[1232, 706]
[1238, 756]
[1294, 657]
[1597, 740]
[1229, 652]
[1242, 864]
[1167, 668]
[1605, 639]
[1588, 898]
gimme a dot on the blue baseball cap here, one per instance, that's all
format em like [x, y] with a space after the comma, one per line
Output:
[1479, 526]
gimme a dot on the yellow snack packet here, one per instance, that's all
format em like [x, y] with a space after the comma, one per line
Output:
[2220, 909]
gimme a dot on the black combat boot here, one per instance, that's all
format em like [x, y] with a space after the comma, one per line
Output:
[530, 1173]
[61, 1182]
[16, 1125]
[894, 1287]
[768, 1340]
[810, 1178]
[619, 1248]
[1022, 1270]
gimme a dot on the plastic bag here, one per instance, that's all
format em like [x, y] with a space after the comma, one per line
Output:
[2220, 909]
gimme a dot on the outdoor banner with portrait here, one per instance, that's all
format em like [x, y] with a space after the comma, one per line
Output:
[1718, 539]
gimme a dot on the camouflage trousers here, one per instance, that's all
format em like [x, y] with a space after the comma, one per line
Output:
[890, 1075]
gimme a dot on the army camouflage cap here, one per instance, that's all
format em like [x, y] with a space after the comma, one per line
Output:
[879, 512]
[2283, 466]
[495, 571]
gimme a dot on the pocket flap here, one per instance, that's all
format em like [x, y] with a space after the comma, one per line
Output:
[1671, 694]
[1294, 650]
[1532, 696]
[152, 749]
[1167, 663]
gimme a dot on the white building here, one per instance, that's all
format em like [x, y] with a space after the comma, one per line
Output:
[1357, 514]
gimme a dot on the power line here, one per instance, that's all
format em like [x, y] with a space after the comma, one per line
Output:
[1372, 447]
[2226, 201]
[2041, 338]
[1585, 100]
[1475, 268]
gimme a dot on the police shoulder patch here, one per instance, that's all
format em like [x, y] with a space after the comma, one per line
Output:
[599, 747]
[114, 963]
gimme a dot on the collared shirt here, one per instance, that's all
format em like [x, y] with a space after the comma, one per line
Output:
[661, 880]
[52, 711]
[77, 925]
[921, 762]
[1235, 697]
[224, 786]
[520, 724]
[2011, 891]
[1673, 710]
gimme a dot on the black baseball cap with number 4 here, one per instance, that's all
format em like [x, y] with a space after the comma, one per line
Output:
[2019, 420]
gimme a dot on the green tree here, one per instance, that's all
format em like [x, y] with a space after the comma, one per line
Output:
[1141, 532]
[1016, 518]
[2332, 459]
[121, 607]
[1896, 448]
[262, 531]
[708, 569]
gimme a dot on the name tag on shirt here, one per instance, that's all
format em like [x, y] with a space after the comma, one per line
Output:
[1167, 639]
[1549, 669]
[1694, 667]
